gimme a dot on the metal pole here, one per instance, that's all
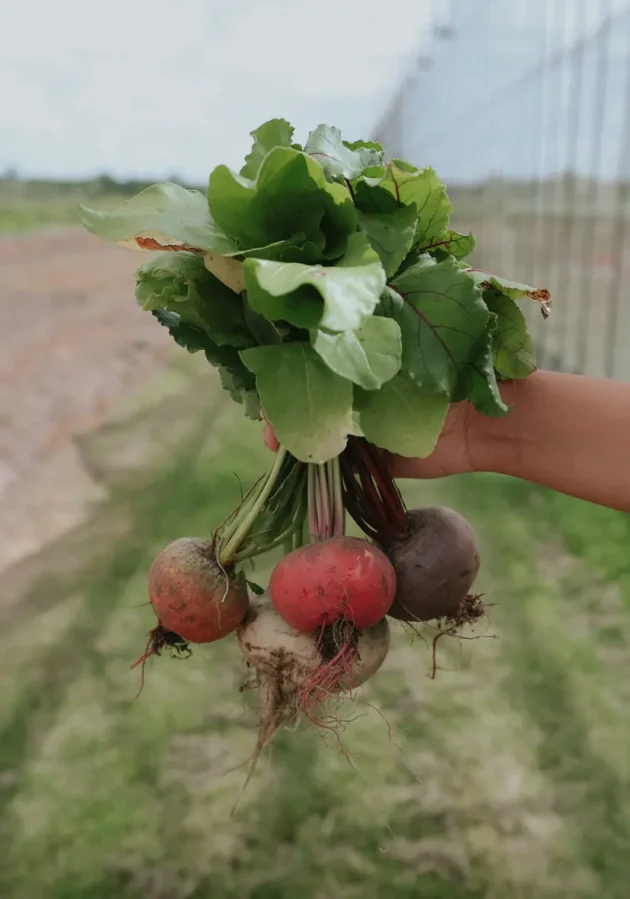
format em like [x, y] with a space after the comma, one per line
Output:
[566, 243]
[590, 229]
[617, 365]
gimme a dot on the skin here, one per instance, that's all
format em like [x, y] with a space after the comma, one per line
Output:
[570, 433]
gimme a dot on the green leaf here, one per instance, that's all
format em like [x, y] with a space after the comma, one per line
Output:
[235, 377]
[402, 418]
[458, 245]
[483, 391]
[188, 336]
[390, 234]
[444, 323]
[424, 189]
[390, 228]
[368, 356]
[262, 330]
[274, 133]
[337, 157]
[290, 200]
[336, 297]
[512, 345]
[164, 215]
[302, 306]
[255, 588]
[237, 380]
[365, 145]
[371, 177]
[181, 282]
[282, 514]
[355, 430]
[308, 405]
[405, 166]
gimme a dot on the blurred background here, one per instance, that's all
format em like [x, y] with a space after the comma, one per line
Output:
[507, 775]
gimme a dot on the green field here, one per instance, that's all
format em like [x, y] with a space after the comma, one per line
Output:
[31, 215]
[30, 210]
[35, 204]
[506, 776]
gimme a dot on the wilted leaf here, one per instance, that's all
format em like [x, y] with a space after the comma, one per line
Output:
[513, 289]
[166, 215]
[512, 345]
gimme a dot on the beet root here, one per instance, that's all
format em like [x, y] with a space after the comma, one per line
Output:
[297, 672]
[192, 595]
[436, 563]
[339, 579]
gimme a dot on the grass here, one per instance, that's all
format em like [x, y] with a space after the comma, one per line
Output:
[506, 775]
[32, 210]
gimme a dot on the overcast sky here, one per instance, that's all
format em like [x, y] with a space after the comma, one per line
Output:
[171, 88]
[500, 97]
[163, 87]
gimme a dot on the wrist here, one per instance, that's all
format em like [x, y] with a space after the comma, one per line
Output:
[494, 444]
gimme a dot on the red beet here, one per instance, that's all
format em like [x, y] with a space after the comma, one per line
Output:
[344, 578]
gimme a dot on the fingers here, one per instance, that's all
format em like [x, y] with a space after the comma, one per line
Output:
[271, 441]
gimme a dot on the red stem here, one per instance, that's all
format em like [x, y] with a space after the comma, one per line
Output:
[370, 493]
[393, 500]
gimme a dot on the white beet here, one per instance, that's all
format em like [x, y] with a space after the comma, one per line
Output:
[277, 650]
[288, 662]
[372, 648]
[274, 648]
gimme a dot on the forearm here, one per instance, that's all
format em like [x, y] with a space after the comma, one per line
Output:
[566, 432]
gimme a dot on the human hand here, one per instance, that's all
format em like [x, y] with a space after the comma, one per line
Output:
[271, 441]
[453, 454]
[559, 430]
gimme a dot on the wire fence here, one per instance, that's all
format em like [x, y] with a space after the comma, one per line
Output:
[524, 111]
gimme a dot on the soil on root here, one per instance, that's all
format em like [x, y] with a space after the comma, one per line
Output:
[278, 706]
[332, 638]
[275, 682]
[159, 640]
[469, 611]
[287, 695]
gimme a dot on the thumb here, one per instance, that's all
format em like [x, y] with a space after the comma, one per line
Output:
[271, 441]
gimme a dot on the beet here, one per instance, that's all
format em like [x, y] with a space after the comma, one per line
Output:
[192, 595]
[436, 563]
[293, 672]
[343, 578]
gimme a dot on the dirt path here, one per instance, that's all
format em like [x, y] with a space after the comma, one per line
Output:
[73, 343]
